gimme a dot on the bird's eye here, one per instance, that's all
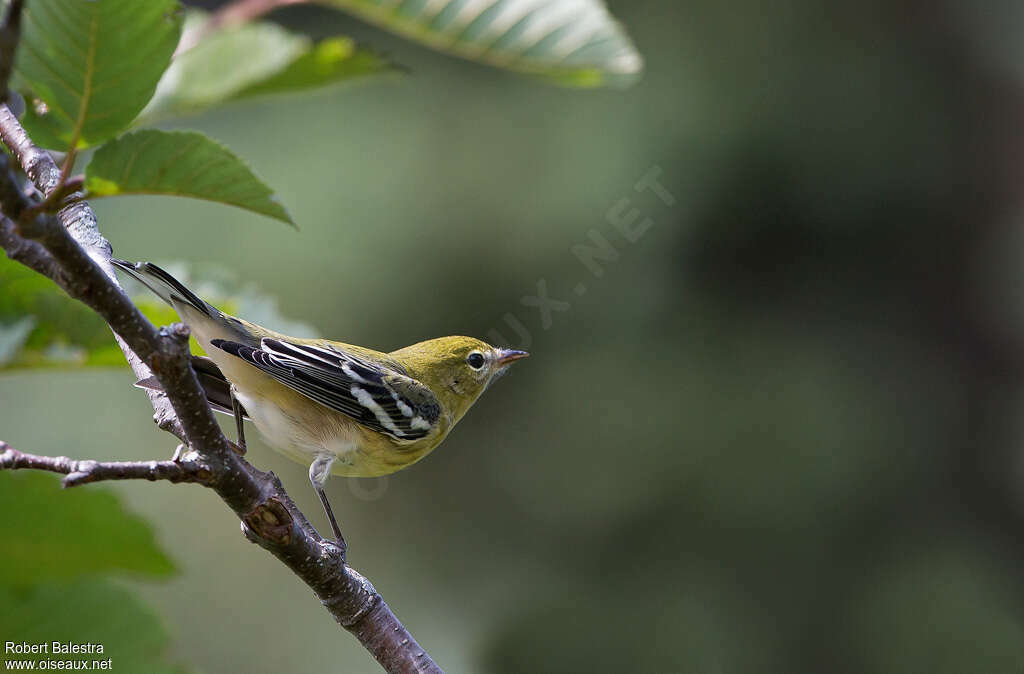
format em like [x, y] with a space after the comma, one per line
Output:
[475, 360]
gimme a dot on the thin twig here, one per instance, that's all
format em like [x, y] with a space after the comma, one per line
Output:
[86, 471]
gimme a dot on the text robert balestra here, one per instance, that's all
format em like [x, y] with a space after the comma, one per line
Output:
[51, 648]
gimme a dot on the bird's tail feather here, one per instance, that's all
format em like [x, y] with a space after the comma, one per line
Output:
[165, 286]
[215, 385]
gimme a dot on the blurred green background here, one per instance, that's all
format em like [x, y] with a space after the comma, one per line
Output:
[779, 433]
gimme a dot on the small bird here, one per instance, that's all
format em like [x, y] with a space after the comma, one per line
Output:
[343, 409]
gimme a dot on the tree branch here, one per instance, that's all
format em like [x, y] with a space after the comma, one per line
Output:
[70, 250]
[83, 472]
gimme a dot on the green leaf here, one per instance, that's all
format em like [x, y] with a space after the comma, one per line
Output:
[41, 327]
[327, 62]
[572, 42]
[92, 612]
[255, 58]
[88, 67]
[50, 533]
[178, 163]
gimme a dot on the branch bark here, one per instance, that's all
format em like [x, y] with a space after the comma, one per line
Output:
[178, 469]
[70, 250]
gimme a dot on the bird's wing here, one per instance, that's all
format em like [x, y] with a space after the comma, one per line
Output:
[376, 396]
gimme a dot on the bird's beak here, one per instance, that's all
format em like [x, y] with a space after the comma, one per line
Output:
[506, 356]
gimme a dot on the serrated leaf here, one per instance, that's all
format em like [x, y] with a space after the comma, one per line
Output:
[50, 533]
[255, 58]
[94, 612]
[573, 42]
[178, 163]
[88, 67]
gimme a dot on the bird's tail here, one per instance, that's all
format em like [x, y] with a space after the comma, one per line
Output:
[165, 286]
[214, 383]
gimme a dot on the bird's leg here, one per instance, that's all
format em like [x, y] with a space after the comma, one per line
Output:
[319, 471]
[236, 407]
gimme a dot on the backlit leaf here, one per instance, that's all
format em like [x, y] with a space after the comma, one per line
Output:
[256, 58]
[573, 42]
[88, 67]
[178, 163]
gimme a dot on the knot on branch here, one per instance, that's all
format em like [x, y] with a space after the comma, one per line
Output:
[40, 168]
[269, 521]
[166, 420]
[174, 338]
[172, 349]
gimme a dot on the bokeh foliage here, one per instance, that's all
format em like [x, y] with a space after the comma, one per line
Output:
[39, 325]
[780, 434]
[59, 551]
[87, 534]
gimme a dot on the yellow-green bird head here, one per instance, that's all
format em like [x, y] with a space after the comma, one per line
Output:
[457, 369]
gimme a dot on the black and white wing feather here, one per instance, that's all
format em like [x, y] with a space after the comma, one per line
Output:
[376, 396]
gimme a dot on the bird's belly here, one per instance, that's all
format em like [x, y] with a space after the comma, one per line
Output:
[299, 439]
[359, 453]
